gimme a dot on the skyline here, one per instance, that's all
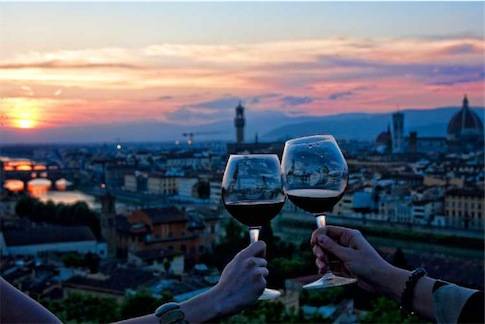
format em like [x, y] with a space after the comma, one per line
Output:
[92, 64]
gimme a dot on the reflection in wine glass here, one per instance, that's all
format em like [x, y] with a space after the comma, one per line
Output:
[316, 174]
[252, 192]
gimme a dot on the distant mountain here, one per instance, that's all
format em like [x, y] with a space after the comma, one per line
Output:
[151, 131]
[269, 125]
[366, 126]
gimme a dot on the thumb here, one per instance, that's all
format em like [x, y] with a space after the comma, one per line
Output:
[329, 245]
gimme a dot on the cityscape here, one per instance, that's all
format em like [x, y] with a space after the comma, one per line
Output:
[120, 223]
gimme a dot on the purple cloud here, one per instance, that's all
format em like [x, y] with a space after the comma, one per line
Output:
[461, 49]
[340, 95]
[296, 101]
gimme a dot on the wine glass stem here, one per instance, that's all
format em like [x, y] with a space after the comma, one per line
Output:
[321, 223]
[254, 234]
[321, 220]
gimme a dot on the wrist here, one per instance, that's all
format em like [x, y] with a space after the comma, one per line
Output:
[391, 281]
[205, 307]
[217, 302]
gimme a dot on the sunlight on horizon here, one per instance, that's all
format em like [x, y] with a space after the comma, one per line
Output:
[22, 113]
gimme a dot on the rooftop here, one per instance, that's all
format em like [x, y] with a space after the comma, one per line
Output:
[47, 234]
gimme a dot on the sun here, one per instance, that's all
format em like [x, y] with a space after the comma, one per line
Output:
[25, 123]
[22, 113]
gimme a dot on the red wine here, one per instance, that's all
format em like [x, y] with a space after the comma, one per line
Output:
[315, 201]
[254, 213]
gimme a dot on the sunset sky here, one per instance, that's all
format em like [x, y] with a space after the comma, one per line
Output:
[81, 64]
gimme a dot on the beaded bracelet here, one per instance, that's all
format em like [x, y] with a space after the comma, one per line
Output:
[408, 292]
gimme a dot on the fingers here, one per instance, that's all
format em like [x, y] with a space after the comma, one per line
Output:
[344, 236]
[322, 266]
[316, 233]
[262, 272]
[256, 262]
[329, 245]
[254, 249]
[318, 252]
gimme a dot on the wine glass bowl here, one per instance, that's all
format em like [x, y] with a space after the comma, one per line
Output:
[316, 174]
[314, 163]
[253, 193]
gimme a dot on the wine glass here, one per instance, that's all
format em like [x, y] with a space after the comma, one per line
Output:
[252, 192]
[316, 175]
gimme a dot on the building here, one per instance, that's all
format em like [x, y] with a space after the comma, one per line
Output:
[398, 132]
[167, 228]
[158, 261]
[186, 187]
[239, 123]
[189, 160]
[465, 129]
[215, 192]
[136, 182]
[384, 141]
[424, 211]
[161, 185]
[108, 221]
[465, 208]
[115, 284]
[464, 134]
[50, 239]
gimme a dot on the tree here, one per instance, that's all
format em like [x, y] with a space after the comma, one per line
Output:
[25, 206]
[91, 261]
[76, 214]
[399, 259]
[82, 308]
[142, 303]
[203, 189]
[387, 311]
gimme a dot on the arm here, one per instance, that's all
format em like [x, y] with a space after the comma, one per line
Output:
[16, 307]
[242, 282]
[358, 258]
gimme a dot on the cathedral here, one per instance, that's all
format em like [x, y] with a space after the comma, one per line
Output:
[464, 134]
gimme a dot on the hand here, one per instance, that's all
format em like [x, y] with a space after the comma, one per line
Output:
[356, 257]
[242, 280]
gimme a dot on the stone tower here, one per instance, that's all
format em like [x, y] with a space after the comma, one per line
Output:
[239, 123]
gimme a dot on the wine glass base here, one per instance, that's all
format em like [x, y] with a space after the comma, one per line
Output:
[269, 294]
[330, 280]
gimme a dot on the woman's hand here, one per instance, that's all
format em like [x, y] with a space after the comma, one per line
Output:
[241, 283]
[356, 257]
[243, 279]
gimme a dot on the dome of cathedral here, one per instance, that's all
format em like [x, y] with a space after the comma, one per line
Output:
[465, 124]
[384, 138]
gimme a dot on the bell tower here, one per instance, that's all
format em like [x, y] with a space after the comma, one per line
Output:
[239, 123]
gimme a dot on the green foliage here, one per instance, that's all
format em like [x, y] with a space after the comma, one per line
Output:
[235, 240]
[88, 260]
[322, 297]
[409, 235]
[269, 312]
[78, 213]
[399, 259]
[142, 303]
[387, 311]
[72, 259]
[81, 308]
[203, 189]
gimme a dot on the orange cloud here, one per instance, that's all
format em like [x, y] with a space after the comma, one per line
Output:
[338, 74]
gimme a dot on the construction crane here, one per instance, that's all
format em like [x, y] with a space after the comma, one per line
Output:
[190, 135]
